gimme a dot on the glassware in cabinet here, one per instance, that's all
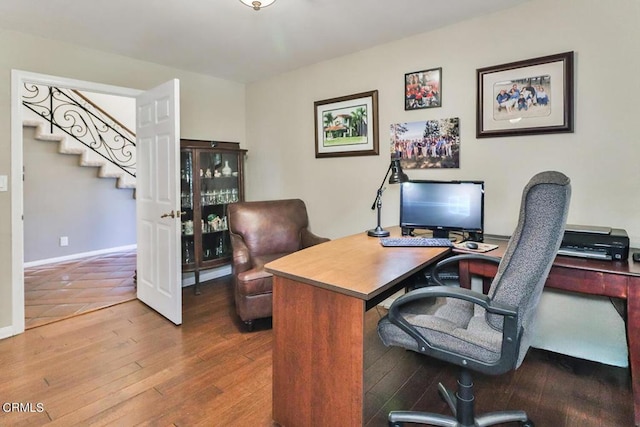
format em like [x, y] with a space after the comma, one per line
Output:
[216, 181]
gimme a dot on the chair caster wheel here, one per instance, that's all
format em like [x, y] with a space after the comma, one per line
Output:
[528, 423]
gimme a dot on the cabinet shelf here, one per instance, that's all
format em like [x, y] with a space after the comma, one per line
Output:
[204, 233]
[205, 199]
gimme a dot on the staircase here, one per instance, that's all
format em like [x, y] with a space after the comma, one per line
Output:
[81, 128]
[88, 158]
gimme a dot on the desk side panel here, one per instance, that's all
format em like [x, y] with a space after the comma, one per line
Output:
[317, 356]
[633, 339]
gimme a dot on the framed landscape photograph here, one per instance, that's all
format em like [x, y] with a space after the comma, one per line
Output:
[423, 89]
[528, 97]
[347, 126]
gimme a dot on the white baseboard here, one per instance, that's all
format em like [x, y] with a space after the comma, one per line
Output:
[79, 255]
[6, 332]
[189, 279]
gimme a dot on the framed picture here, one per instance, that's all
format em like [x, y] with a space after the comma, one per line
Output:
[423, 89]
[430, 144]
[528, 97]
[347, 126]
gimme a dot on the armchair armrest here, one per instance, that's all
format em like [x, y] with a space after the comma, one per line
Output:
[309, 239]
[457, 258]
[241, 256]
[510, 333]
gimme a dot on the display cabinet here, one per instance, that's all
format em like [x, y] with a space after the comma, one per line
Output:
[211, 176]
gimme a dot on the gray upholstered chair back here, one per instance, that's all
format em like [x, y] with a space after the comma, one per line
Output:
[531, 250]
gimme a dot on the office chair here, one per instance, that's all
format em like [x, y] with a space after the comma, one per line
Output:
[485, 333]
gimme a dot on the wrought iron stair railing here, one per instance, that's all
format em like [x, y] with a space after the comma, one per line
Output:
[78, 117]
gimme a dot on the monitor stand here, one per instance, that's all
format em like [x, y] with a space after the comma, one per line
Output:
[441, 234]
[407, 231]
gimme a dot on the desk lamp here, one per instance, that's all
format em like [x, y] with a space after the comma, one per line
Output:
[397, 176]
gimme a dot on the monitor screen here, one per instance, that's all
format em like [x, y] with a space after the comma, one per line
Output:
[442, 206]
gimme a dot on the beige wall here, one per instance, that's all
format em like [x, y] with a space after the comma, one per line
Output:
[211, 108]
[62, 199]
[601, 157]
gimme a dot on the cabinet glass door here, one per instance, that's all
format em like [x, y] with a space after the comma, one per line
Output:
[186, 202]
[218, 188]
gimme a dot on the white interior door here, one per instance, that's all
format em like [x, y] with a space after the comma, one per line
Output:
[158, 203]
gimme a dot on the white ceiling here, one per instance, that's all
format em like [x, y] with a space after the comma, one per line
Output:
[225, 39]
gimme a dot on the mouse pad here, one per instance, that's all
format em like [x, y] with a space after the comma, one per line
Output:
[482, 247]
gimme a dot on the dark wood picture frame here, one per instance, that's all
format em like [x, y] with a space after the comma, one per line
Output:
[423, 89]
[524, 112]
[347, 125]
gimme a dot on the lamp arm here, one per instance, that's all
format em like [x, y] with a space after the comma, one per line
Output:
[380, 190]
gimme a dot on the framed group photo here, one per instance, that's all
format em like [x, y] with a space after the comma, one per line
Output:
[347, 126]
[427, 144]
[534, 96]
[423, 89]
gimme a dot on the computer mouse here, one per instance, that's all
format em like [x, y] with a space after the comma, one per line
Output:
[472, 245]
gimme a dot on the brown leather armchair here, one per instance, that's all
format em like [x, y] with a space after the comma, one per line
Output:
[260, 233]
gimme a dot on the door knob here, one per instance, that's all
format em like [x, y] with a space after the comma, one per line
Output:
[172, 214]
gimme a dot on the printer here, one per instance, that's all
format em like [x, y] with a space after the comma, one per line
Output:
[594, 242]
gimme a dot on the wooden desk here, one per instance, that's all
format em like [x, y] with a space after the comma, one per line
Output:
[608, 278]
[320, 295]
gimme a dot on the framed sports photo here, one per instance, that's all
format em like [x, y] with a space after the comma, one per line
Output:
[423, 89]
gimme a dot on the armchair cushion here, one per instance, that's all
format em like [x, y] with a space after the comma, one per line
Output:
[256, 280]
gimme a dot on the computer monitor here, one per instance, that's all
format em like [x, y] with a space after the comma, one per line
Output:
[443, 207]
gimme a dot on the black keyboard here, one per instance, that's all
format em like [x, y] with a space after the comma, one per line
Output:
[429, 242]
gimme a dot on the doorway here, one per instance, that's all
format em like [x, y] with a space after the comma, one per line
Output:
[78, 209]
[18, 79]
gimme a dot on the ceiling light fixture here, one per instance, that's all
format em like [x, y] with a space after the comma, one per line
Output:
[257, 5]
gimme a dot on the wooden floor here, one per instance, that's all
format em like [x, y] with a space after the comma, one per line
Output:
[125, 365]
[57, 291]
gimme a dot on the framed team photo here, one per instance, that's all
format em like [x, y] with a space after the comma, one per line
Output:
[423, 89]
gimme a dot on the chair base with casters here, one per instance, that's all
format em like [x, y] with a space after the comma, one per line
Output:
[462, 405]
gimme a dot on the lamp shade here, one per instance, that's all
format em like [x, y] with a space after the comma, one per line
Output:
[397, 175]
[257, 5]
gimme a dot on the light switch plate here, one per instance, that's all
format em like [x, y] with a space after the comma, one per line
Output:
[4, 183]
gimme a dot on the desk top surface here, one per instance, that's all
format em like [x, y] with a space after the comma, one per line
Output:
[356, 265]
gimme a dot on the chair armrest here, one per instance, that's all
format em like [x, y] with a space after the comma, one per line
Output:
[510, 334]
[474, 297]
[241, 256]
[309, 239]
[434, 272]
